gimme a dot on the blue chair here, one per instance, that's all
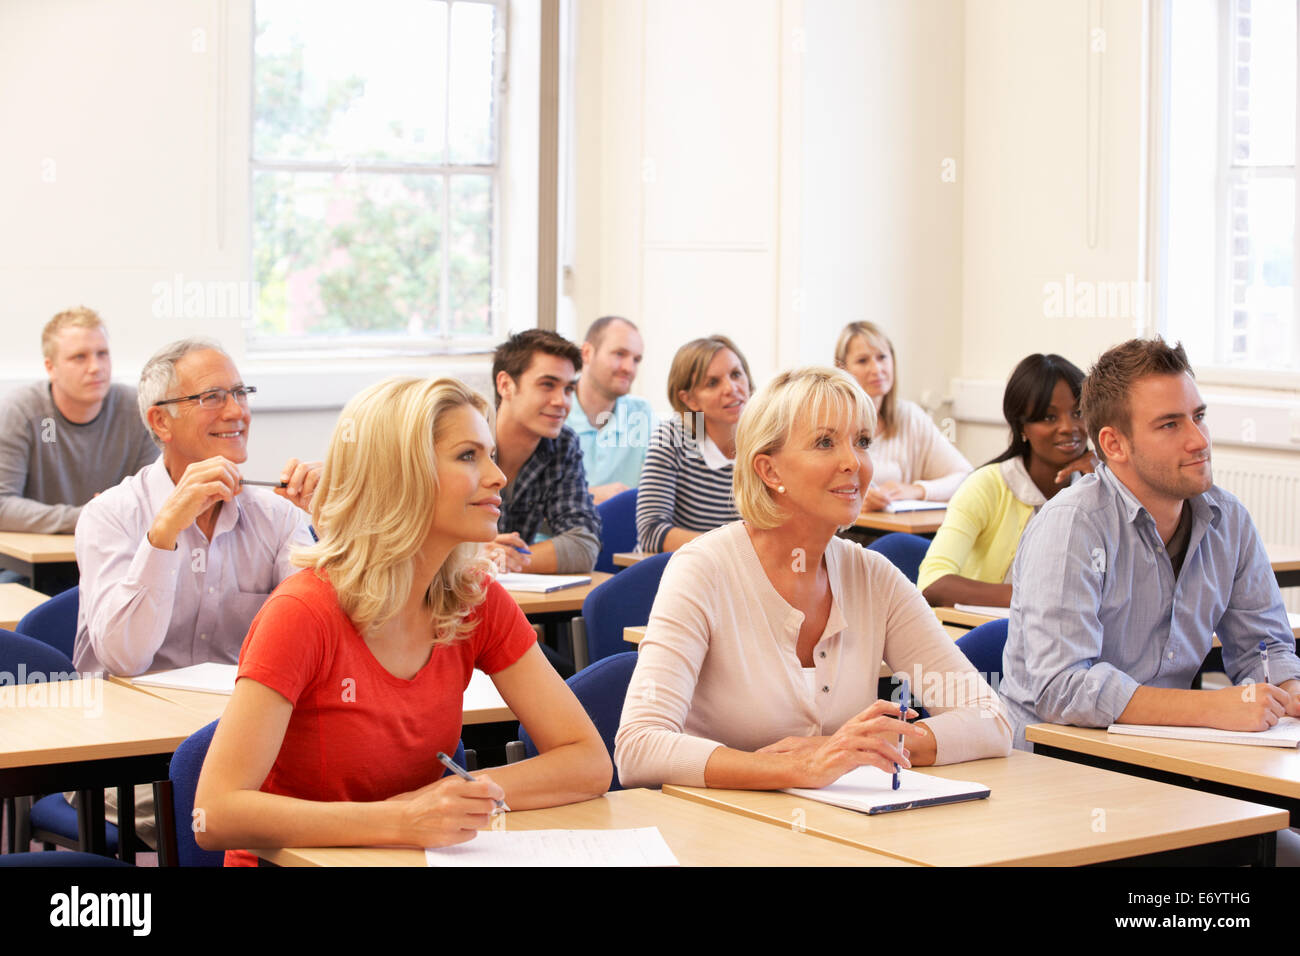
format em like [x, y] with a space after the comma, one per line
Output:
[617, 529]
[600, 689]
[176, 844]
[55, 621]
[622, 601]
[905, 552]
[983, 648]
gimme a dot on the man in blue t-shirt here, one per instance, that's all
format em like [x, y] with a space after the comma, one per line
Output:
[613, 427]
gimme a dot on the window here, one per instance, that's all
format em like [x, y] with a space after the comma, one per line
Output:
[375, 146]
[1229, 209]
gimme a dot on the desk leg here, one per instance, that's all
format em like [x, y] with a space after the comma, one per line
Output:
[90, 821]
[126, 824]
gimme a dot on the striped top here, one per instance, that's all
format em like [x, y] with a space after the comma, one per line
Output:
[679, 490]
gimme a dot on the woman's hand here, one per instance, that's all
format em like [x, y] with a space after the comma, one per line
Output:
[448, 811]
[878, 496]
[793, 745]
[504, 552]
[869, 739]
[1084, 464]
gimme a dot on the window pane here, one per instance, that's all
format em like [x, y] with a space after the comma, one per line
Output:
[472, 40]
[336, 82]
[1262, 328]
[340, 254]
[471, 256]
[1263, 49]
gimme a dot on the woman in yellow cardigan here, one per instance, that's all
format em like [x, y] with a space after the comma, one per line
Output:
[970, 559]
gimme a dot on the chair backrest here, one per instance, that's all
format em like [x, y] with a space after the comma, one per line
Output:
[617, 528]
[54, 622]
[983, 648]
[905, 551]
[600, 688]
[622, 601]
[23, 657]
[184, 776]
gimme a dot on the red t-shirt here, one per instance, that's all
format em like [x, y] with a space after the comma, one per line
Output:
[357, 732]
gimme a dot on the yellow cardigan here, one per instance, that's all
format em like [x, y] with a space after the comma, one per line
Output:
[982, 528]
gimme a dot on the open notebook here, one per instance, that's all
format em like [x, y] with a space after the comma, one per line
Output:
[914, 504]
[1285, 733]
[869, 790]
[644, 846]
[541, 583]
[210, 678]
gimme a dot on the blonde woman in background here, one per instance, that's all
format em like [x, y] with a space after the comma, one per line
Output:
[351, 677]
[913, 460]
[760, 662]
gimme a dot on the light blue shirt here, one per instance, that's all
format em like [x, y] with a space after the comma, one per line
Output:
[1096, 611]
[617, 451]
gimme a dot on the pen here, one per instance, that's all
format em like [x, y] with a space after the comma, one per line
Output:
[903, 698]
[464, 774]
[523, 551]
[264, 484]
[1263, 656]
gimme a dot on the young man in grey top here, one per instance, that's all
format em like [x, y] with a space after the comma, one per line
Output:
[65, 440]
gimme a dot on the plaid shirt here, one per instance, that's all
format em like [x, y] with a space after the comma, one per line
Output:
[551, 489]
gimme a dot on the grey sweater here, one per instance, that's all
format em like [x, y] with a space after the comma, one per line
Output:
[50, 467]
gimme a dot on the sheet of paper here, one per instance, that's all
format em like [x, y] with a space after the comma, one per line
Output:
[1285, 733]
[640, 847]
[985, 609]
[541, 583]
[482, 694]
[869, 790]
[210, 678]
[914, 504]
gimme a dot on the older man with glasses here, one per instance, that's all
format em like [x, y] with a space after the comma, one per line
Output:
[177, 559]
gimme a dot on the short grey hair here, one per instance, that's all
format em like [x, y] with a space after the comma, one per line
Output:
[158, 378]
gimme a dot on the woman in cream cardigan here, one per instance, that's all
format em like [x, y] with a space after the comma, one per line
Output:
[760, 662]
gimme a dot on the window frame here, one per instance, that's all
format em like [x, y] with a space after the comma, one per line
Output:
[430, 344]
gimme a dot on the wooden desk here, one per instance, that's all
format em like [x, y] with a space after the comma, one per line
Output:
[966, 619]
[1285, 560]
[85, 735]
[15, 601]
[1042, 812]
[38, 556]
[924, 523]
[697, 835]
[625, 559]
[566, 601]
[1269, 775]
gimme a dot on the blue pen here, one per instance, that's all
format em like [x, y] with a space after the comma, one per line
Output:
[523, 551]
[461, 772]
[1263, 656]
[903, 698]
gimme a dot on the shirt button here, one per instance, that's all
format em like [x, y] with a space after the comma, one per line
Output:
[826, 690]
[823, 654]
[1171, 655]
[212, 590]
[203, 637]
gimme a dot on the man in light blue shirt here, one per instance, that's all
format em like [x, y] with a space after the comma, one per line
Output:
[1121, 581]
[613, 427]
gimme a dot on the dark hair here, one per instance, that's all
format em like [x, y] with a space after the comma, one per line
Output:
[1029, 393]
[515, 354]
[1110, 382]
[597, 330]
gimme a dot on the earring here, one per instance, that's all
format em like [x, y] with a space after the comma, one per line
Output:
[780, 489]
[1022, 437]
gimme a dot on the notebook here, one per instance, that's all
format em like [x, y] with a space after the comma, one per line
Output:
[210, 678]
[984, 609]
[640, 847]
[541, 583]
[915, 504]
[1285, 733]
[869, 790]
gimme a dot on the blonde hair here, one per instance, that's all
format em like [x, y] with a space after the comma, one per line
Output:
[692, 361]
[799, 395]
[375, 501]
[79, 317]
[874, 335]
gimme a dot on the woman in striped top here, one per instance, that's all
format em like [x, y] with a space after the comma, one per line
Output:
[912, 457]
[685, 485]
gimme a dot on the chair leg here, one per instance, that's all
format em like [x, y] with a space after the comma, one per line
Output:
[514, 751]
[578, 643]
[20, 825]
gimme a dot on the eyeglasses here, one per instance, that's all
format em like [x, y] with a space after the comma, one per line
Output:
[215, 397]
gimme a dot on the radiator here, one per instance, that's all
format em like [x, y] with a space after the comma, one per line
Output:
[1269, 487]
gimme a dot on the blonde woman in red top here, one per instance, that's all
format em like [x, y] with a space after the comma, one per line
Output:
[352, 674]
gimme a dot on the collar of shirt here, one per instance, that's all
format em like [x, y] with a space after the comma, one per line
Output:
[536, 464]
[712, 455]
[1022, 486]
[1205, 511]
[582, 425]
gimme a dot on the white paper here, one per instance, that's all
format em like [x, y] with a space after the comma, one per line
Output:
[482, 694]
[984, 609]
[915, 504]
[1285, 733]
[209, 678]
[640, 847]
[541, 583]
[868, 789]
